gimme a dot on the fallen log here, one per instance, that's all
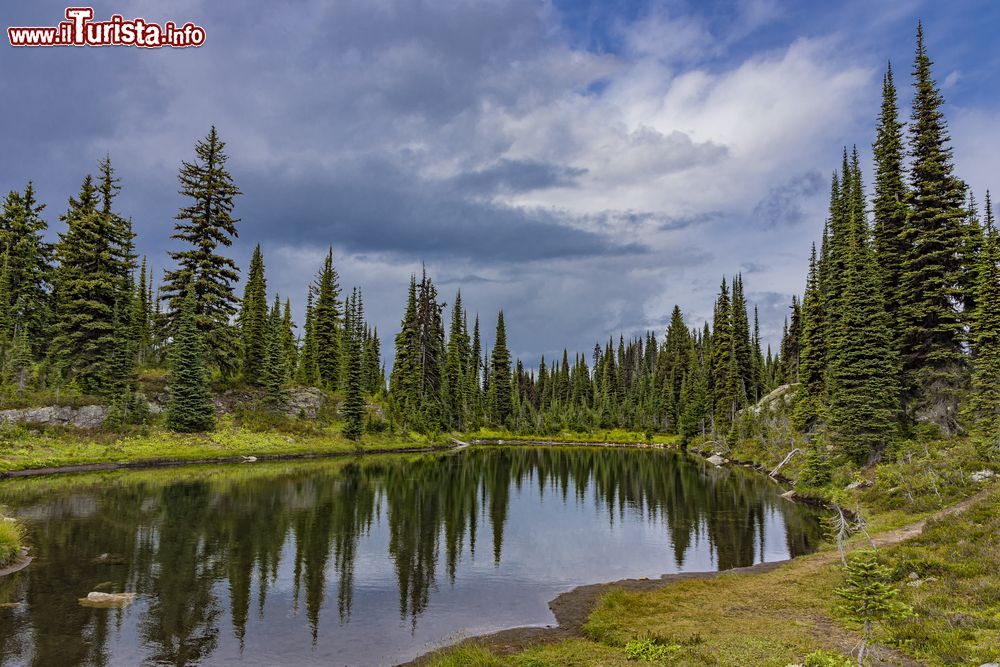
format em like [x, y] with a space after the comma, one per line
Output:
[788, 457]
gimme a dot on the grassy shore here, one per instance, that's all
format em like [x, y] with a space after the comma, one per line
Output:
[949, 574]
[11, 535]
[24, 449]
[601, 436]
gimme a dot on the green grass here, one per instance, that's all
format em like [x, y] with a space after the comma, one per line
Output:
[956, 604]
[24, 448]
[11, 534]
[599, 436]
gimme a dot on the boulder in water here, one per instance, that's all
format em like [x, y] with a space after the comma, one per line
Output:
[98, 599]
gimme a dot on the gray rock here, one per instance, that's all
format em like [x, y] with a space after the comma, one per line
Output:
[88, 416]
[305, 402]
[989, 664]
[717, 460]
[981, 475]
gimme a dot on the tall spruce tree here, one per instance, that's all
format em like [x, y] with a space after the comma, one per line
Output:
[253, 319]
[354, 402]
[813, 353]
[404, 382]
[723, 400]
[190, 407]
[455, 365]
[87, 287]
[500, 387]
[327, 323]
[142, 318]
[985, 397]
[889, 206]
[932, 272]
[274, 373]
[30, 273]
[862, 375]
[205, 224]
[307, 370]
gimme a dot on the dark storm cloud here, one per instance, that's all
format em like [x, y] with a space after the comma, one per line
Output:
[377, 207]
[782, 206]
[513, 176]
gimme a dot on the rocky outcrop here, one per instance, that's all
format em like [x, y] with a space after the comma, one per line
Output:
[304, 402]
[87, 416]
[780, 396]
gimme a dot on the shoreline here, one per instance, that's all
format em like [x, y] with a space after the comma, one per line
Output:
[573, 608]
[168, 463]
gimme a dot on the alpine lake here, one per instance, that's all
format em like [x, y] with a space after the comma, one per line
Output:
[369, 560]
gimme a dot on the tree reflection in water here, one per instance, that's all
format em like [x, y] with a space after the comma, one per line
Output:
[193, 541]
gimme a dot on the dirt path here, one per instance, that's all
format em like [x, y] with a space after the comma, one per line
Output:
[573, 608]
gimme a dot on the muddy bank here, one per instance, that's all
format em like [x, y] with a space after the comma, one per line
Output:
[18, 564]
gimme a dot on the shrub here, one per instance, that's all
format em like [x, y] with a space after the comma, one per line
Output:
[649, 649]
[826, 659]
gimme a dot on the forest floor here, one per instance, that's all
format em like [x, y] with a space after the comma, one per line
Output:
[943, 550]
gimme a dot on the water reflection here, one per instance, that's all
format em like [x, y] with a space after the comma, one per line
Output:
[363, 561]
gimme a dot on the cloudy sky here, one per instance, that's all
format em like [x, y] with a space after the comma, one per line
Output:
[582, 165]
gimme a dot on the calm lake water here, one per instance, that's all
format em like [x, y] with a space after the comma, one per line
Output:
[366, 561]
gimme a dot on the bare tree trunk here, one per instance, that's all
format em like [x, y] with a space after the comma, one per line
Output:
[784, 461]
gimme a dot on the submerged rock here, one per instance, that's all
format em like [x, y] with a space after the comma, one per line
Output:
[715, 459]
[98, 599]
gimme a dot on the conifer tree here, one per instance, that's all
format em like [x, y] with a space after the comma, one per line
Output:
[274, 373]
[204, 225]
[28, 298]
[354, 403]
[890, 202]
[500, 387]
[791, 345]
[455, 369]
[288, 337]
[122, 384]
[141, 318]
[122, 238]
[307, 372]
[404, 383]
[430, 355]
[813, 354]
[985, 397]
[868, 597]
[474, 388]
[326, 324]
[374, 376]
[932, 271]
[190, 407]
[253, 319]
[694, 396]
[863, 388]
[6, 307]
[720, 367]
[17, 365]
[87, 290]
